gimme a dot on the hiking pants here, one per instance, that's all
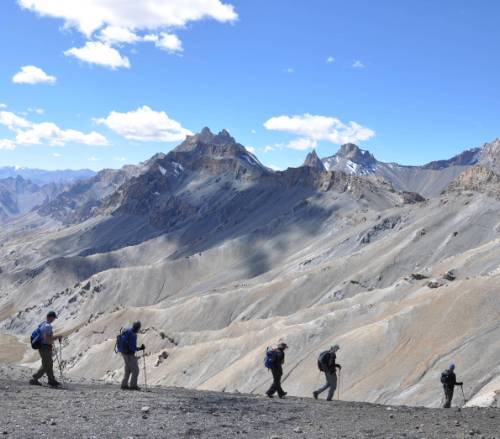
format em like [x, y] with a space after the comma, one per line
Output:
[331, 384]
[276, 386]
[131, 368]
[448, 396]
[47, 366]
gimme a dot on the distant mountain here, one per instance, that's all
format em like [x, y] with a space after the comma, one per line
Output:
[80, 199]
[428, 180]
[18, 196]
[41, 177]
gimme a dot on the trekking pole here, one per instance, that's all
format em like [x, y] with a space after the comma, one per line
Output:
[59, 358]
[145, 374]
[338, 388]
[463, 394]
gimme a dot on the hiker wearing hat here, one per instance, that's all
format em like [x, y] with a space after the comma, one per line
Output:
[449, 381]
[274, 361]
[327, 363]
[43, 339]
[127, 346]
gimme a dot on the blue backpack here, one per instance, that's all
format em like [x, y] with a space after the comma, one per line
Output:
[122, 341]
[270, 358]
[36, 337]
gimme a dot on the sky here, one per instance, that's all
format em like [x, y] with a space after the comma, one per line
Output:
[103, 83]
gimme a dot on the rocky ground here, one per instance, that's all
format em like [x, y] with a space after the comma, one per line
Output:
[93, 410]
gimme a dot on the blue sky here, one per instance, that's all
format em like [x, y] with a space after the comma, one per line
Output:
[418, 79]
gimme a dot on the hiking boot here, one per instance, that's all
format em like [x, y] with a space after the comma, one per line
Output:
[54, 383]
[125, 387]
[34, 382]
[283, 395]
[315, 395]
[269, 395]
[134, 388]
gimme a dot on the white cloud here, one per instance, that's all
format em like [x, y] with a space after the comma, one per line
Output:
[38, 111]
[95, 52]
[6, 144]
[274, 167]
[32, 75]
[3, 105]
[120, 159]
[116, 34]
[357, 64]
[126, 22]
[253, 131]
[269, 148]
[166, 41]
[56, 155]
[93, 159]
[28, 133]
[311, 129]
[289, 70]
[12, 121]
[90, 15]
[145, 125]
[330, 60]
[250, 149]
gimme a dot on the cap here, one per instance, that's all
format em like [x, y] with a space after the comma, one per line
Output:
[52, 314]
[452, 367]
[282, 345]
[335, 348]
[136, 326]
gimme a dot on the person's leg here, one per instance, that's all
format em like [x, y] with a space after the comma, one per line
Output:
[332, 380]
[448, 395]
[126, 371]
[324, 387]
[134, 368]
[277, 383]
[49, 365]
[273, 388]
[41, 370]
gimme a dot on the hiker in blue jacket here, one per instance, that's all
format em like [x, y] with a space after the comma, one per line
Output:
[127, 346]
[43, 339]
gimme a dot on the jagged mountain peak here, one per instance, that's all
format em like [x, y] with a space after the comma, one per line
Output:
[353, 152]
[207, 137]
[313, 161]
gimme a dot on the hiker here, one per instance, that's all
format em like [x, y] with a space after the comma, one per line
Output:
[43, 339]
[275, 359]
[449, 381]
[127, 346]
[327, 363]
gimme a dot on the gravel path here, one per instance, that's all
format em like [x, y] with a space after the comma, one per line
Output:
[104, 411]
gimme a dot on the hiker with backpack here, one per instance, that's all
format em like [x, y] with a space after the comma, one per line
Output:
[275, 358]
[42, 339]
[126, 344]
[449, 381]
[327, 363]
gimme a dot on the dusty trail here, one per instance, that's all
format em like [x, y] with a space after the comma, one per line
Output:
[103, 411]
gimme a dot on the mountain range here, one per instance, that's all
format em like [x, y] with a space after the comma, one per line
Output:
[220, 257]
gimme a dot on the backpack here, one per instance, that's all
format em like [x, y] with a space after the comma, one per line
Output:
[445, 377]
[121, 345]
[270, 358]
[323, 360]
[36, 337]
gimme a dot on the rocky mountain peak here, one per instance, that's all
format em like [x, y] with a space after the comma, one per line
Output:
[490, 155]
[354, 153]
[313, 161]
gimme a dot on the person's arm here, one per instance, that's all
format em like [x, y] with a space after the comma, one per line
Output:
[48, 336]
